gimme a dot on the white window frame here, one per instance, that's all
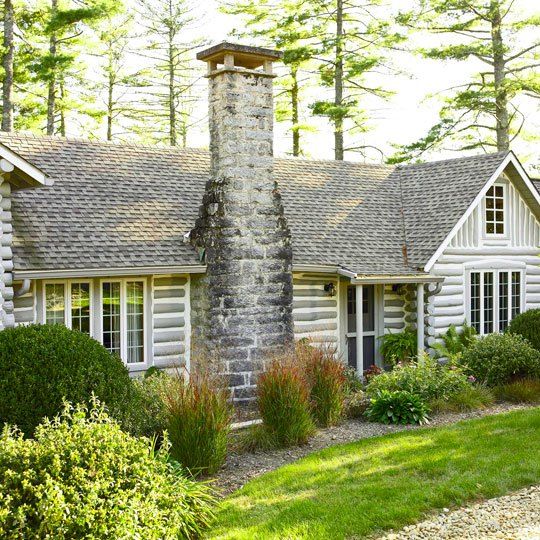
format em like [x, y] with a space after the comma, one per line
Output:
[495, 269]
[123, 319]
[506, 220]
[67, 300]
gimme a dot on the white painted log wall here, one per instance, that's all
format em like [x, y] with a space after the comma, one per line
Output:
[25, 305]
[469, 245]
[315, 313]
[394, 311]
[171, 328]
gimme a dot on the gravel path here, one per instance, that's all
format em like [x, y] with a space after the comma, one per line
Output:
[512, 517]
[239, 468]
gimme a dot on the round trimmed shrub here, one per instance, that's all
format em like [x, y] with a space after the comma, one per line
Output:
[500, 358]
[83, 477]
[527, 324]
[41, 365]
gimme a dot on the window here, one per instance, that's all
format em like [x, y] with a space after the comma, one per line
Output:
[494, 299]
[72, 310]
[122, 304]
[495, 210]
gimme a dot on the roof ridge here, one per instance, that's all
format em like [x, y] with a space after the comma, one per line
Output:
[502, 153]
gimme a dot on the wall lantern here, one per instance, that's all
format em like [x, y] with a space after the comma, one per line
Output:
[330, 289]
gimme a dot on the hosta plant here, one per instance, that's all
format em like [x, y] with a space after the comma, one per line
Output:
[399, 407]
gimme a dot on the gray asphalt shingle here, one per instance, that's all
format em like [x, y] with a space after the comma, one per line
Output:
[117, 206]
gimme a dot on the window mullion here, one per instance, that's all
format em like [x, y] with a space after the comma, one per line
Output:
[495, 302]
[67, 303]
[123, 321]
[481, 303]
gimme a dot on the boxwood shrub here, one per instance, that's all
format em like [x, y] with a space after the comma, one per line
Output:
[81, 476]
[41, 365]
[527, 324]
[500, 358]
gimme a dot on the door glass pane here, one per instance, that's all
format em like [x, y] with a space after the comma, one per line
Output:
[369, 351]
[475, 300]
[135, 322]
[54, 303]
[351, 309]
[80, 307]
[368, 308]
[488, 302]
[351, 345]
[503, 301]
[516, 293]
[111, 316]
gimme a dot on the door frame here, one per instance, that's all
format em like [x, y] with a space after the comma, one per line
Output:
[378, 320]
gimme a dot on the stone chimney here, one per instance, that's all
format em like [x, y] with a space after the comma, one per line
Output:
[245, 298]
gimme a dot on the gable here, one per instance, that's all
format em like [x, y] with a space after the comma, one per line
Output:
[522, 228]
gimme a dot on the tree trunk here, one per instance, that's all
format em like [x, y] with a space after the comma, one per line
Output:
[62, 110]
[51, 96]
[7, 64]
[338, 84]
[295, 115]
[171, 59]
[501, 96]
[110, 97]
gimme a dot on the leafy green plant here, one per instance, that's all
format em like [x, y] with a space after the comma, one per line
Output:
[83, 477]
[353, 383]
[469, 398]
[501, 358]
[520, 391]
[398, 347]
[527, 324]
[455, 342]
[327, 384]
[399, 407]
[41, 365]
[427, 379]
[198, 414]
[284, 404]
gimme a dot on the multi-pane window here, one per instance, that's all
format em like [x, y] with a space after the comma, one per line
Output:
[72, 309]
[135, 322]
[123, 319]
[495, 210]
[494, 299]
[55, 303]
[111, 319]
[488, 302]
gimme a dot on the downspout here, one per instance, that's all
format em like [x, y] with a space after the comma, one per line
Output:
[23, 289]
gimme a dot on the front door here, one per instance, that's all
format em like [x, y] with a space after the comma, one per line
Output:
[368, 334]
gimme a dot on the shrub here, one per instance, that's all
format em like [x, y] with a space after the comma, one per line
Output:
[398, 347]
[454, 342]
[527, 324]
[521, 391]
[399, 407]
[469, 398]
[500, 358]
[82, 477]
[148, 415]
[352, 382]
[372, 371]
[198, 417]
[326, 380]
[356, 404]
[426, 379]
[40, 365]
[283, 402]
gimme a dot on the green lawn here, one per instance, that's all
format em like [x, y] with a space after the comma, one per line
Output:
[387, 482]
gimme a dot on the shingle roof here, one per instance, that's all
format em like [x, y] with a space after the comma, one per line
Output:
[126, 206]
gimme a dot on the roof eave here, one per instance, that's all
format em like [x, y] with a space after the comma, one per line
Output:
[20, 173]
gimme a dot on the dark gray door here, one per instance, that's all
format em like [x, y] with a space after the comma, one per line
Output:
[368, 318]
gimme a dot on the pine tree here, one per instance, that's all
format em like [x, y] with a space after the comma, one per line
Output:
[7, 65]
[286, 27]
[484, 111]
[170, 77]
[355, 41]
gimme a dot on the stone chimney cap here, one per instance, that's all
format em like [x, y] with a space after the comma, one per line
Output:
[244, 55]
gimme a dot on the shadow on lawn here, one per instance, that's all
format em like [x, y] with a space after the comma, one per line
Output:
[386, 482]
